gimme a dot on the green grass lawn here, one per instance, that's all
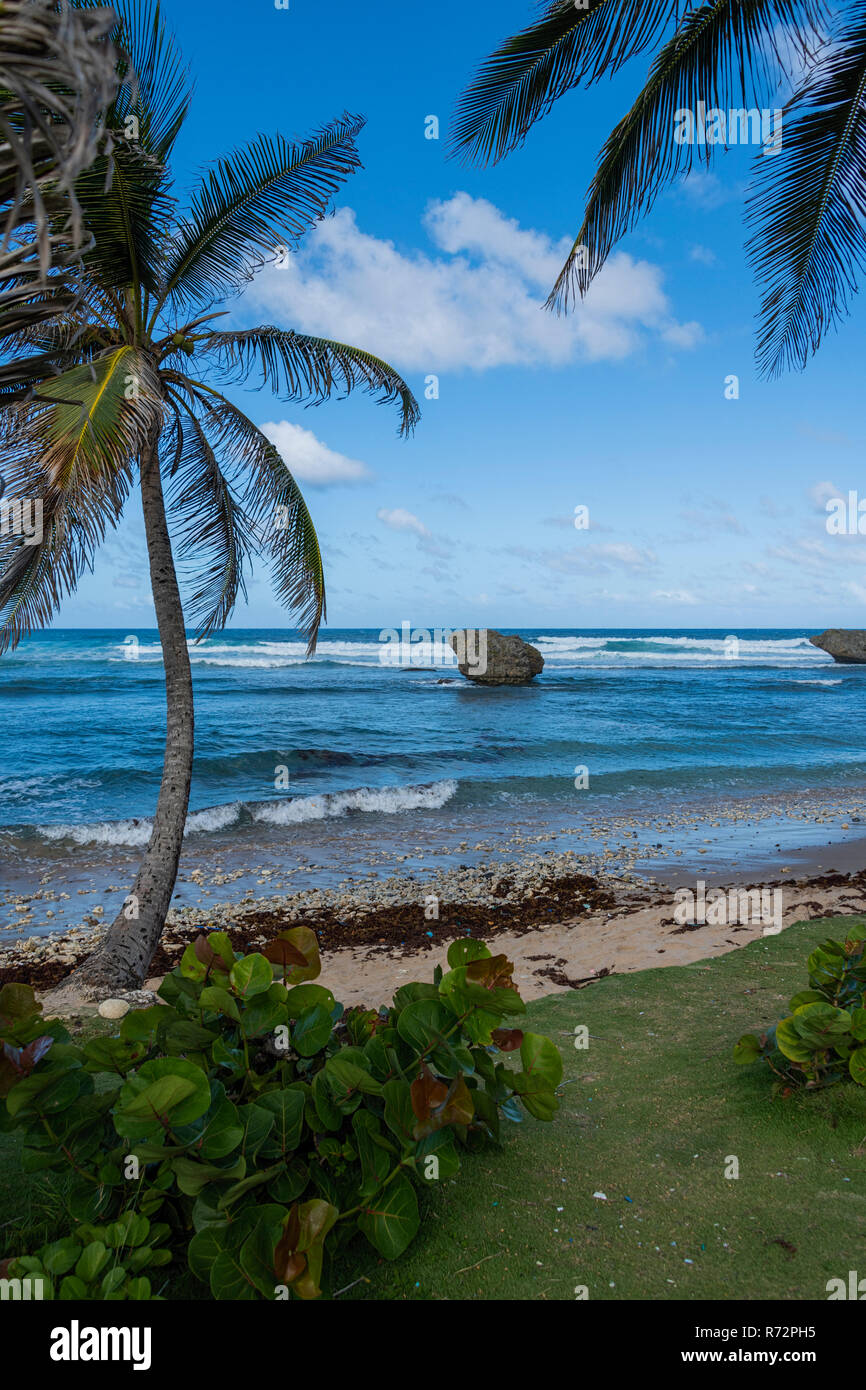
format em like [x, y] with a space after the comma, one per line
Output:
[650, 1114]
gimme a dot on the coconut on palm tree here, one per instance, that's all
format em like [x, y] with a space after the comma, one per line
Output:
[807, 203]
[133, 394]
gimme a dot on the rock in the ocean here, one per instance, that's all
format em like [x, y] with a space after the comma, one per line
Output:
[845, 644]
[489, 657]
[113, 1008]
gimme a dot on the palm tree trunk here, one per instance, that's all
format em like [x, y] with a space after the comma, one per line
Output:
[124, 954]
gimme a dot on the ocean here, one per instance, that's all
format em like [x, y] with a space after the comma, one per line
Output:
[312, 759]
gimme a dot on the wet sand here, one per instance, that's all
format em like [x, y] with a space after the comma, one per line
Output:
[562, 903]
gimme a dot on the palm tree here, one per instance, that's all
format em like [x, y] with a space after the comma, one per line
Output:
[57, 72]
[807, 204]
[132, 392]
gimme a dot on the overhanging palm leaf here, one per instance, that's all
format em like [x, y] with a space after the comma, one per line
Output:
[258, 199]
[35, 578]
[721, 55]
[568, 46]
[279, 525]
[298, 366]
[212, 526]
[56, 73]
[808, 205]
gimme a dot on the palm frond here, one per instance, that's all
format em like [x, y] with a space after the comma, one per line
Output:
[127, 211]
[808, 205]
[98, 418]
[57, 71]
[212, 527]
[278, 522]
[35, 577]
[153, 99]
[300, 367]
[569, 46]
[722, 55]
[125, 193]
[262, 197]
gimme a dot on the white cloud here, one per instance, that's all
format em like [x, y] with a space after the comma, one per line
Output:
[683, 335]
[311, 461]
[704, 254]
[476, 303]
[822, 493]
[398, 519]
[674, 596]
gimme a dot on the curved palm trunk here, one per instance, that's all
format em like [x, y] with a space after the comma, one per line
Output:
[122, 958]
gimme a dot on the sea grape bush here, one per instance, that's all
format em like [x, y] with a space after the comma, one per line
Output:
[823, 1039]
[251, 1126]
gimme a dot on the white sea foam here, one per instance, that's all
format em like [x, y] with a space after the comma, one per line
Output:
[386, 800]
[607, 649]
[383, 800]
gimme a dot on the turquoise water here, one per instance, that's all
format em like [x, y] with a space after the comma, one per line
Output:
[350, 741]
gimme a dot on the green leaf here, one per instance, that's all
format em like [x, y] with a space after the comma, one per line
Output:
[140, 1025]
[541, 1059]
[159, 1098]
[312, 1031]
[391, 1220]
[325, 1109]
[858, 1024]
[806, 996]
[192, 1176]
[465, 949]
[349, 1082]
[92, 1261]
[217, 997]
[857, 1065]
[183, 1103]
[747, 1049]
[61, 1255]
[376, 1161]
[17, 1003]
[191, 967]
[257, 1121]
[73, 1289]
[186, 1036]
[399, 1115]
[222, 1132]
[138, 1290]
[790, 1042]
[424, 1024]
[251, 975]
[263, 1015]
[304, 997]
[204, 1248]
[287, 1108]
[114, 1054]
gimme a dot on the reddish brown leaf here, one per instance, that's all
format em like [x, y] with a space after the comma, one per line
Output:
[207, 955]
[492, 972]
[427, 1093]
[507, 1039]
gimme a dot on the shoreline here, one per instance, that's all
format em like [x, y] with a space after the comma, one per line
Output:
[565, 902]
[813, 831]
[562, 928]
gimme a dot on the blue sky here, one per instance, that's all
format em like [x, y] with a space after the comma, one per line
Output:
[703, 511]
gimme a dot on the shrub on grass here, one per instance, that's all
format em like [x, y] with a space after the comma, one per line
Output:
[262, 1123]
[823, 1040]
